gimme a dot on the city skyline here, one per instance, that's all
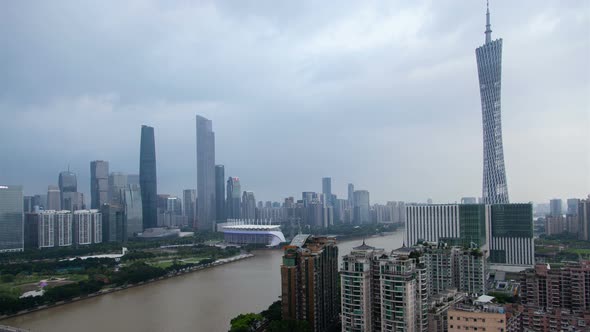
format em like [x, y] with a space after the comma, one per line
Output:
[533, 30]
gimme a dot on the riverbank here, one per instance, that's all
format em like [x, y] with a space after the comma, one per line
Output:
[128, 286]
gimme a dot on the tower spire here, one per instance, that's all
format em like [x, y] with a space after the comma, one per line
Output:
[488, 24]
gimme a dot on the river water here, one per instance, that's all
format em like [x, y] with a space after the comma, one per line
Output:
[201, 301]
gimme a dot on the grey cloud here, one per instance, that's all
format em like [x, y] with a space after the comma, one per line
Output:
[382, 94]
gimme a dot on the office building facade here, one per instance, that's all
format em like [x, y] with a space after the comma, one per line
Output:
[489, 67]
[248, 206]
[11, 218]
[327, 191]
[53, 198]
[148, 181]
[99, 183]
[189, 205]
[234, 192]
[205, 174]
[511, 240]
[220, 192]
[362, 207]
[132, 205]
[117, 182]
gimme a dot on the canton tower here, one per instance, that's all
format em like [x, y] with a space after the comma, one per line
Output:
[489, 67]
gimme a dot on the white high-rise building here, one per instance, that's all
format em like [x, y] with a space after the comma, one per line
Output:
[87, 226]
[383, 292]
[55, 228]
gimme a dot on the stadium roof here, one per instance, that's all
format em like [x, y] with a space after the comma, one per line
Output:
[253, 227]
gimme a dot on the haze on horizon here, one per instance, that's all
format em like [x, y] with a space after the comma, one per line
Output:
[382, 94]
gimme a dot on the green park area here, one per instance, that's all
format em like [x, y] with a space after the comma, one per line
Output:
[62, 279]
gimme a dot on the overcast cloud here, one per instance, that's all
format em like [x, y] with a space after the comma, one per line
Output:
[383, 94]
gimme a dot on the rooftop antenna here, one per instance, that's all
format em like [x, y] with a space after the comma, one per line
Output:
[488, 24]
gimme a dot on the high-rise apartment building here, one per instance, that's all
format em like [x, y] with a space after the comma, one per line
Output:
[205, 174]
[455, 268]
[11, 218]
[362, 207]
[148, 177]
[489, 67]
[556, 296]
[234, 194]
[309, 281]
[53, 198]
[87, 227]
[220, 192]
[99, 183]
[55, 228]
[383, 291]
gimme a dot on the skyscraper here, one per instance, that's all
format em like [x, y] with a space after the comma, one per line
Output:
[327, 191]
[362, 207]
[117, 182]
[555, 207]
[234, 192]
[147, 177]
[309, 281]
[11, 218]
[220, 192]
[53, 198]
[248, 205]
[205, 174]
[99, 183]
[572, 206]
[189, 204]
[489, 67]
[350, 195]
[68, 187]
[133, 210]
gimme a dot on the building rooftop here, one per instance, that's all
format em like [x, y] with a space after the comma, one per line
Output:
[300, 239]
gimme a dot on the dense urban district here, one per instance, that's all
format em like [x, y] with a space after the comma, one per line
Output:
[484, 264]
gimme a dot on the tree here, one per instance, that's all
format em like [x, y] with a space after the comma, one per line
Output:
[245, 322]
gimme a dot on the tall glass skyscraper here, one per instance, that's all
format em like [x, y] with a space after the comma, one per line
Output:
[220, 192]
[327, 191]
[147, 178]
[99, 183]
[233, 203]
[205, 174]
[11, 218]
[489, 66]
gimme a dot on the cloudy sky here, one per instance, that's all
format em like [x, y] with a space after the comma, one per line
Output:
[382, 94]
